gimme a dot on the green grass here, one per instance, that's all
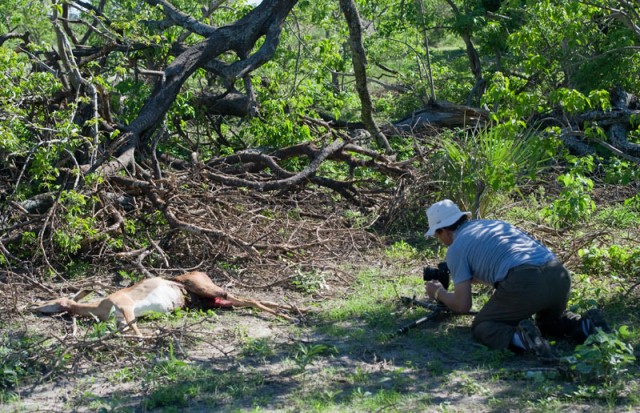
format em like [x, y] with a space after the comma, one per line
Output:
[619, 216]
[345, 358]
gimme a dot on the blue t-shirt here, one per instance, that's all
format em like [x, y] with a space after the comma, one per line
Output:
[486, 250]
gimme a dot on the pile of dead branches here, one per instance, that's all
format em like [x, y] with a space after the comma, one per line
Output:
[186, 221]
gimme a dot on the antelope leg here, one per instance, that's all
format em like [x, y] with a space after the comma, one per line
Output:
[243, 302]
[130, 320]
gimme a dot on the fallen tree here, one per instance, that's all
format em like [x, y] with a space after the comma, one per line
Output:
[96, 169]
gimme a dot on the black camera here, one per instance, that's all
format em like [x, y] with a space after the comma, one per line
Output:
[439, 273]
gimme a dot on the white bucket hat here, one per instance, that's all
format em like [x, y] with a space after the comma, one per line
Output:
[442, 214]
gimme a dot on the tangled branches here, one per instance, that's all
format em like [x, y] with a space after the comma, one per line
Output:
[244, 218]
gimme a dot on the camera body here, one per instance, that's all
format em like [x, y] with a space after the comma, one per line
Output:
[440, 273]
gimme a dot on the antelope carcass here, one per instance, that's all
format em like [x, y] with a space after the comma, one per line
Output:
[159, 295]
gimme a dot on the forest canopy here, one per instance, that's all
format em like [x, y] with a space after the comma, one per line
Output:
[126, 128]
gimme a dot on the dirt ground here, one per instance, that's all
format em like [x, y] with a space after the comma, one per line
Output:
[243, 360]
[437, 366]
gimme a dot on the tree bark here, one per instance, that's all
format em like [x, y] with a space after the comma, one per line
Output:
[474, 61]
[359, 60]
[621, 102]
[265, 20]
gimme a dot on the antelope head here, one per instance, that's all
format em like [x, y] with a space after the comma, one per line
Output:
[59, 305]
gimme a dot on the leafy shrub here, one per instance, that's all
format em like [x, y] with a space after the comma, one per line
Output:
[589, 290]
[257, 347]
[602, 357]
[615, 259]
[18, 362]
[489, 163]
[77, 225]
[309, 282]
[633, 203]
[401, 250]
[594, 260]
[574, 204]
[621, 172]
[305, 354]
[618, 217]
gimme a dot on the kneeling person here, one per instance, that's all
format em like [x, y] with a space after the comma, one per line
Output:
[527, 277]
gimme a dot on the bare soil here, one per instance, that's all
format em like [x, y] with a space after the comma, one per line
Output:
[437, 366]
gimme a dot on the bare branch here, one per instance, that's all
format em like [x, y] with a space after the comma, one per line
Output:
[182, 19]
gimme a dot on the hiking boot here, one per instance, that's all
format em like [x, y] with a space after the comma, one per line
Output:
[592, 320]
[534, 342]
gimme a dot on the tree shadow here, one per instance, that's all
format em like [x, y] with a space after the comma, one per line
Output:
[357, 363]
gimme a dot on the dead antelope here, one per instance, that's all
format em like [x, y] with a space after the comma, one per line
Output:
[159, 295]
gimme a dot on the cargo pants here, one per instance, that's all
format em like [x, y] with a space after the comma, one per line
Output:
[528, 290]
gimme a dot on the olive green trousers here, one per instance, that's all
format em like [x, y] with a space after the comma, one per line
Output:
[528, 290]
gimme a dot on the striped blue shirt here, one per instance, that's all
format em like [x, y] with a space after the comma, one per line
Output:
[486, 250]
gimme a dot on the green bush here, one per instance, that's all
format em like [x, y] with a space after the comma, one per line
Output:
[481, 165]
[574, 203]
[603, 357]
[19, 362]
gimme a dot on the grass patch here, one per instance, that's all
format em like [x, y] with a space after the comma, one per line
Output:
[346, 358]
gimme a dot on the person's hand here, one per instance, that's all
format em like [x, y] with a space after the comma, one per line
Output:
[431, 287]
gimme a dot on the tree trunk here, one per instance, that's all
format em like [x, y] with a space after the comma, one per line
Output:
[474, 61]
[359, 60]
[265, 20]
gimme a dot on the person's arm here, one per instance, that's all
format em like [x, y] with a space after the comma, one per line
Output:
[459, 300]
